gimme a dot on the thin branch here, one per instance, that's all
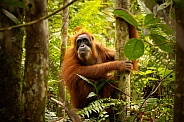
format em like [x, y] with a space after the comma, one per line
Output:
[40, 19]
[120, 90]
[73, 116]
[156, 44]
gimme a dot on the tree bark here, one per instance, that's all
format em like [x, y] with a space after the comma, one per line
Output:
[10, 66]
[64, 38]
[179, 83]
[122, 36]
[37, 62]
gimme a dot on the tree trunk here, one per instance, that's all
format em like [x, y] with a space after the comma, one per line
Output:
[179, 83]
[64, 38]
[122, 36]
[10, 67]
[37, 62]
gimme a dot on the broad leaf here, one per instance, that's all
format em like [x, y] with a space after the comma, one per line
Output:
[134, 49]
[161, 42]
[126, 16]
[167, 29]
[11, 16]
[87, 80]
[150, 20]
[91, 94]
[102, 83]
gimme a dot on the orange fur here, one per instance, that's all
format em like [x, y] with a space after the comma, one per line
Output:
[104, 63]
[72, 65]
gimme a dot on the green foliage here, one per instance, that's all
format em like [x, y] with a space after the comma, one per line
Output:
[153, 28]
[155, 66]
[54, 41]
[154, 48]
[96, 111]
[94, 17]
[49, 116]
[143, 8]
[97, 85]
[150, 75]
[86, 15]
[150, 20]
[87, 80]
[134, 49]
[154, 109]
[126, 16]
[161, 42]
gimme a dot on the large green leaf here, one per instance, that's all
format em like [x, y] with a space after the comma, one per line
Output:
[126, 16]
[87, 80]
[150, 20]
[134, 49]
[162, 43]
[166, 28]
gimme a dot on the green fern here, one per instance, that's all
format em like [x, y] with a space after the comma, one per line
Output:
[88, 15]
[97, 109]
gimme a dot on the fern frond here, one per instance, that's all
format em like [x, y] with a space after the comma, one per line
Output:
[143, 7]
[97, 109]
